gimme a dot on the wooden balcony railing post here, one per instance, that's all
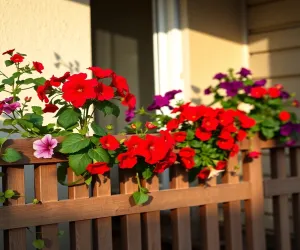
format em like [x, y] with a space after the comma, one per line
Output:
[151, 220]
[15, 239]
[45, 184]
[181, 219]
[254, 207]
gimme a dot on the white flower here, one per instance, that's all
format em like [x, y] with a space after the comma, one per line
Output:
[214, 172]
[245, 107]
[221, 92]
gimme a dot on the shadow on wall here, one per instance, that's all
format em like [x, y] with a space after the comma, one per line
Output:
[72, 67]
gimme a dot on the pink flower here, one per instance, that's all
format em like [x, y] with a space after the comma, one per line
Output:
[8, 108]
[44, 147]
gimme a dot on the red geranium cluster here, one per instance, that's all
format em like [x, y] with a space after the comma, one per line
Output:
[260, 92]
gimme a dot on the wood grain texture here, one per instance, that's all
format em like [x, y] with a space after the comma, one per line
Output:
[275, 187]
[254, 207]
[45, 185]
[15, 239]
[151, 220]
[280, 203]
[181, 218]
[295, 171]
[102, 227]
[130, 224]
[232, 211]
[116, 205]
[80, 230]
[261, 17]
[209, 218]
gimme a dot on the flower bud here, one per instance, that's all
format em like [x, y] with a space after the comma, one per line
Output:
[109, 127]
[133, 126]
[150, 125]
[27, 99]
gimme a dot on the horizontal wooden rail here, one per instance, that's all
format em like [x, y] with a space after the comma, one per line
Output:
[275, 187]
[116, 205]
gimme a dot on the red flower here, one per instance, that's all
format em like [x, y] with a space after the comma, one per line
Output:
[9, 52]
[150, 125]
[226, 119]
[284, 116]
[202, 134]
[225, 144]
[38, 66]
[50, 108]
[109, 142]
[154, 149]
[167, 138]
[221, 165]
[210, 124]
[187, 152]
[166, 163]
[101, 73]
[246, 121]
[120, 83]
[296, 103]
[241, 135]
[17, 58]
[179, 136]
[204, 173]
[225, 134]
[98, 168]
[134, 144]
[173, 124]
[129, 100]
[188, 163]
[254, 154]
[42, 90]
[274, 92]
[235, 149]
[127, 160]
[258, 92]
[77, 89]
[60, 79]
[230, 128]
[104, 92]
[193, 113]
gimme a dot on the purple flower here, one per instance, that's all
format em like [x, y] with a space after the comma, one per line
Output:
[163, 101]
[44, 147]
[8, 99]
[284, 95]
[232, 88]
[207, 91]
[287, 129]
[290, 142]
[244, 72]
[260, 83]
[8, 108]
[219, 76]
[247, 89]
[129, 115]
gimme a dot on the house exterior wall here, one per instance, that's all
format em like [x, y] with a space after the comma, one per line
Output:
[215, 40]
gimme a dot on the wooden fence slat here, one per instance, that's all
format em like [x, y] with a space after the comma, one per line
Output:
[254, 207]
[45, 184]
[102, 227]
[15, 239]
[210, 223]
[232, 212]
[117, 205]
[80, 231]
[151, 220]
[295, 171]
[280, 203]
[181, 219]
[130, 224]
[275, 187]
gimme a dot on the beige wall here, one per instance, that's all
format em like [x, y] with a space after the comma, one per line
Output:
[216, 41]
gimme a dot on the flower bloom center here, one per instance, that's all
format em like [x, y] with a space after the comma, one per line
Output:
[80, 90]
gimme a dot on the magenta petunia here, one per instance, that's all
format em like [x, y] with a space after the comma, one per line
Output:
[8, 108]
[44, 147]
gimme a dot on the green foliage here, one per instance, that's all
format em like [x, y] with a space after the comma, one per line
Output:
[11, 155]
[78, 162]
[8, 63]
[68, 118]
[97, 129]
[74, 143]
[38, 243]
[108, 108]
[140, 197]
[147, 173]
[99, 155]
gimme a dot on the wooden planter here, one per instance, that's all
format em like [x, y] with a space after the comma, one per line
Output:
[81, 209]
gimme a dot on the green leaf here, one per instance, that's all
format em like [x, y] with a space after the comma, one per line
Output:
[267, 132]
[9, 193]
[39, 244]
[37, 110]
[9, 130]
[98, 130]
[196, 144]
[108, 108]
[16, 74]
[35, 119]
[35, 201]
[197, 160]
[190, 135]
[8, 122]
[140, 197]
[147, 173]
[9, 81]
[270, 123]
[8, 63]
[2, 141]
[68, 118]
[79, 162]
[24, 123]
[88, 180]
[275, 102]
[61, 233]
[144, 190]
[74, 143]
[2, 199]
[95, 140]
[39, 81]
[28, 81]
[11, 155]
[99, 155]
[2, 87]
[62, 172]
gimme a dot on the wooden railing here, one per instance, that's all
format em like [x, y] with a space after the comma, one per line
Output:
[90, 218]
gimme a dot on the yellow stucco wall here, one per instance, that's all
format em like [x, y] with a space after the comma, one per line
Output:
[215, 41]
